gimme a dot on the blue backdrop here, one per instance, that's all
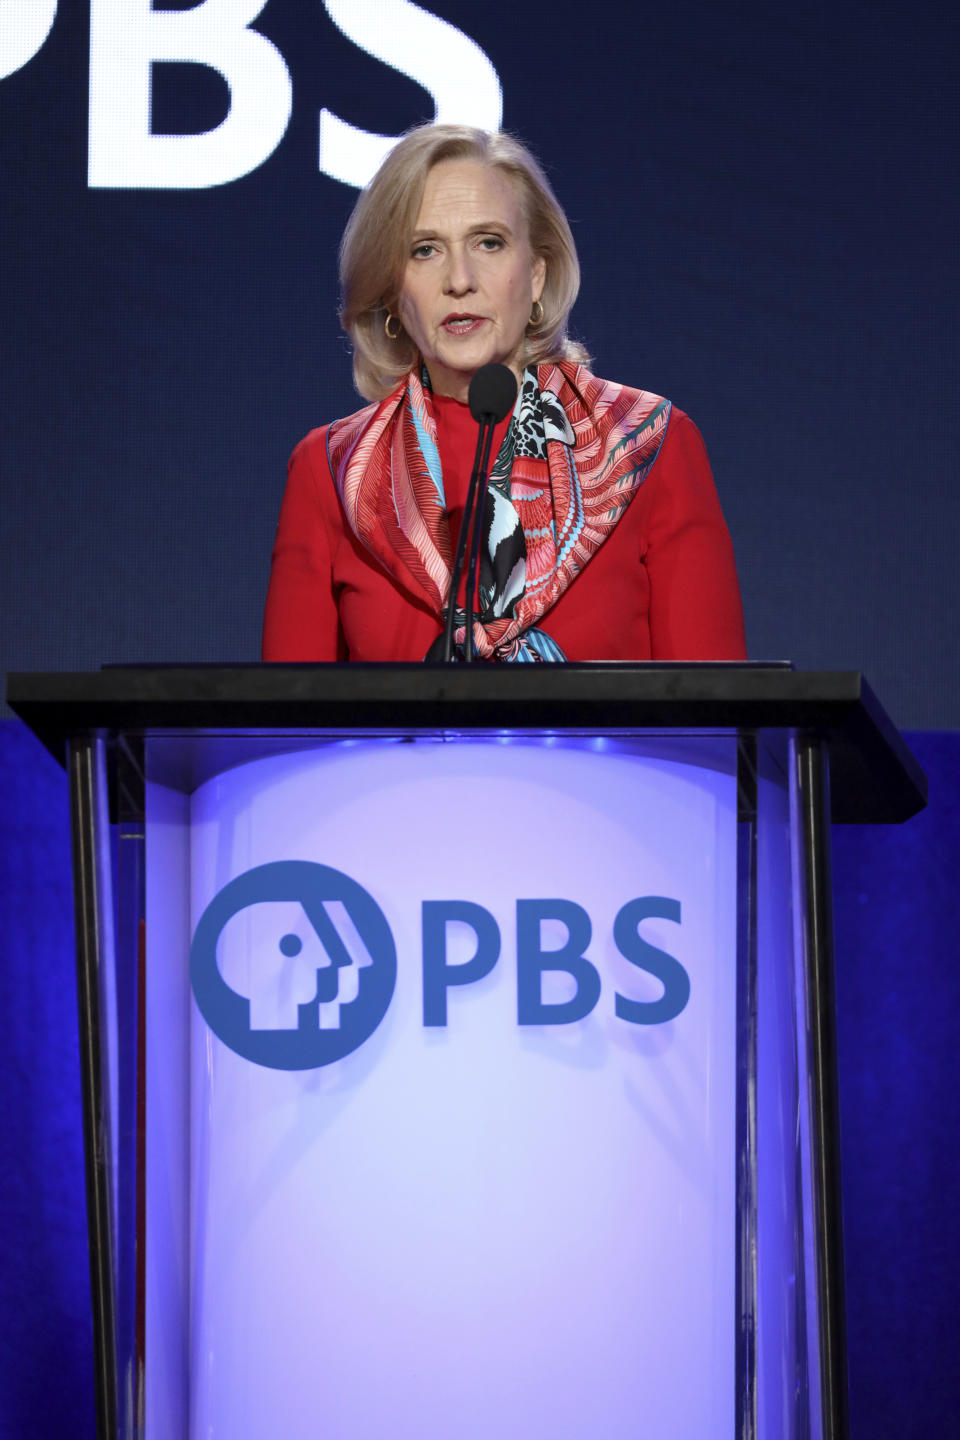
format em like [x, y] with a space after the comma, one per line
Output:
[766, 207]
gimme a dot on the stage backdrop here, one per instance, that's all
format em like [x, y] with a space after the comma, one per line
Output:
[765, 203]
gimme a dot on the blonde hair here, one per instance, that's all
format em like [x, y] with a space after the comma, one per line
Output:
[375, 248]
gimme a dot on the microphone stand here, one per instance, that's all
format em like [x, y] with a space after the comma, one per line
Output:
[471, 528]
[493, 390]
[476, 536]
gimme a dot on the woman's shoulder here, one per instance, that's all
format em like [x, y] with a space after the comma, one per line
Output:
[321, 437]
[679, 428]
[585, 395]
[321, 447]
[313, 443]
[309, 462]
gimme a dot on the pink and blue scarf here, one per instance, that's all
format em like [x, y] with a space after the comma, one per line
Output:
[576, 451]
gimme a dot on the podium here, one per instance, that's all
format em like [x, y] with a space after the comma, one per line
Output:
[458, 1044]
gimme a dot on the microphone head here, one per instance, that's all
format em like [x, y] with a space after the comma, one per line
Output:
[493, 391]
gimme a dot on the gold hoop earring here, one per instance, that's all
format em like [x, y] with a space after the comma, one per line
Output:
[536, 314]
[392, 334]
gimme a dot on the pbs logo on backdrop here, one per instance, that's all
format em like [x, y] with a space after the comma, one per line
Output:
[293, 965]
[128, 38]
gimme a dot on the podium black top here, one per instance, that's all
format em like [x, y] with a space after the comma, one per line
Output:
[874, 777]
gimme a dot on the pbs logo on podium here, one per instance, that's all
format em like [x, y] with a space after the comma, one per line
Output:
[293, 965]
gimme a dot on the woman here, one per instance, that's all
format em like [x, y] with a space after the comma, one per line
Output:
[603, 537]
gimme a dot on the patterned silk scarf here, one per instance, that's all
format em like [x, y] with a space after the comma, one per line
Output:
[575, 452]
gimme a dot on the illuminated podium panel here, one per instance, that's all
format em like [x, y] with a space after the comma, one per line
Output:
[458, 1046]
[491, 1198]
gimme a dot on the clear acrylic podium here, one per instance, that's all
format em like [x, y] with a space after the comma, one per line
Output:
[458, 1044]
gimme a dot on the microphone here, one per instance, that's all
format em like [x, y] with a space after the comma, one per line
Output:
[492, 394]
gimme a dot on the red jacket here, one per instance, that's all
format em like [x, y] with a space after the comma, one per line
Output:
[662, 587]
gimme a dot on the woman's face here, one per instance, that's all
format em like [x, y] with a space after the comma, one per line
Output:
[471, 278]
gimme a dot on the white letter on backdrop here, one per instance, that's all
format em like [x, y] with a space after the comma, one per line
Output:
[464, 85]
[24, 25]
[126, 37]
